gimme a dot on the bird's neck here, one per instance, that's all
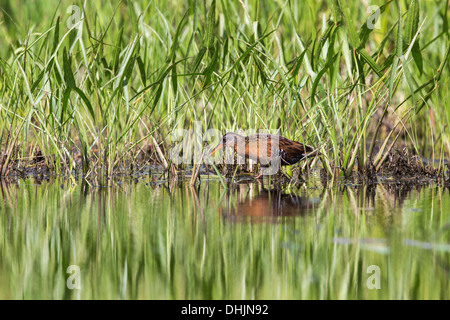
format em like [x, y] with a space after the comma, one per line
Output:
[238, 140]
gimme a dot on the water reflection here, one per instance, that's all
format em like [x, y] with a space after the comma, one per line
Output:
[255, 202]
[129, 236]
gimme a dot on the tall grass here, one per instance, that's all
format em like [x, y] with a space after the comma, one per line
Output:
[111, 86]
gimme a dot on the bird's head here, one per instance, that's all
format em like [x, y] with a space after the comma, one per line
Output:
[230, 139]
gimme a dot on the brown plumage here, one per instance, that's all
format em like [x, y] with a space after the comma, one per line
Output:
[252, 146]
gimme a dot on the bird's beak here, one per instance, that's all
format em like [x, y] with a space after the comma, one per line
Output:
[219, 146]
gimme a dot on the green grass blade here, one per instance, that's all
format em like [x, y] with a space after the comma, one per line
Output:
[68, 74]
[210, 26]
[349, 24]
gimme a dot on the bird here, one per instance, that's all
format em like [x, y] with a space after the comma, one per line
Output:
[266, 148]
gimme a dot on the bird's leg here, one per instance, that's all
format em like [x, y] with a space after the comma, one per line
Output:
[279, 172]
[260, 173]
[280, 169]
[285, 174]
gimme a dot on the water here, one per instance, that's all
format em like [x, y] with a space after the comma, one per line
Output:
[167, 240]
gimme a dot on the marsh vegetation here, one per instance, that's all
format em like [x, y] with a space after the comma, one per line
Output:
[101, 87]
[93, 93]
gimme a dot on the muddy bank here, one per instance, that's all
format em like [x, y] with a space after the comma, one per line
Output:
[399, 167]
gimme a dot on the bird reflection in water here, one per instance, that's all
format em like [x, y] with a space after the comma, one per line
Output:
[253, 202]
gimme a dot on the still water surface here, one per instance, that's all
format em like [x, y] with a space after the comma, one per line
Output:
[167, 240]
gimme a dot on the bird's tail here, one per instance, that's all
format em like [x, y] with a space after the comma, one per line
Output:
[312, 153]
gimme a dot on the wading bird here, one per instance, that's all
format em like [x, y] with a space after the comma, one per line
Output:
[267, 149]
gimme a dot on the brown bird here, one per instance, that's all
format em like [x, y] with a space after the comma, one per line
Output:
[266, 148]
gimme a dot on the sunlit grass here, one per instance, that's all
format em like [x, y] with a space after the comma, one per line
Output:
[106, 91]
[125, 75]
